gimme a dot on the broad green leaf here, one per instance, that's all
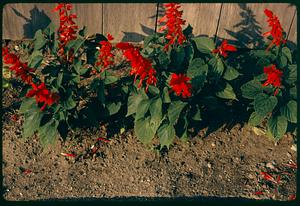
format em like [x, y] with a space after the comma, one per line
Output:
[290, 111]
[82, 32]
[133, 101]
[177, 56]
[75, 44]
[153, 90]
[230, 73]
[59, 79]
[69, 103]
[165, 96]
[227, 92]
[31, 123]
[142, 108]
[174, 110]
[143, 130]
[113, 107]
[263, 62]
[204, 44]
[282, 61]
[293, 92]
[48, 132]
[194, 68]
[110, 79]
[39, 40]
[262, 54]
[35, 59]
[27, 105]
[251, 89]
[217, 65]
[255, 119]
[277, 125]
[197, 114]
[287, 53]
[189, 53]
[292, 74]
[264, 104]
[156, 113]
[166, 134]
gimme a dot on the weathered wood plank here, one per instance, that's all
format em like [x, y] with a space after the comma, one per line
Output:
[293, 32]
[128, 21]
[244, 23]
[22, 20]
[203, 17]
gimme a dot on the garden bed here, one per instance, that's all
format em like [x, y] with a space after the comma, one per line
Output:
[227, 163]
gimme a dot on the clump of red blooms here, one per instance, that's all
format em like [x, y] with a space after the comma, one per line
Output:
[42, 95]
[173, 24]
[105, 57]
[180, 85]
[21, 69]
[141, 67]
[273, 77]
[224, 48]
[67, 28]
[276, 29]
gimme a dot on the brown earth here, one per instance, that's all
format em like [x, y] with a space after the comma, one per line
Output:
[224, 164]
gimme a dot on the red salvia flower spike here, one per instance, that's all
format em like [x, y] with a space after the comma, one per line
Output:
[224, 48]
[105, 58]
[276, 30]
[180, 85]
[273, 77]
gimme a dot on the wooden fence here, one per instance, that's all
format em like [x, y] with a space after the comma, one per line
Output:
[241, 23]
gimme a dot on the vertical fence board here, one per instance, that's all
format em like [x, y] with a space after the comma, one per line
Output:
[243, 23]
[128, 21]
[203, 17]
[22, 20]
[293, 32]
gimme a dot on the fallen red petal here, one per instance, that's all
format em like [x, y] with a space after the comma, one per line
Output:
[292, 197]
[68, 154]
[27, 171]
[102, 139]
[258, 193]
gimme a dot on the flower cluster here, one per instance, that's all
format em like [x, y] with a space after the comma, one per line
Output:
[42, 95]
[223, 48]
[141, 66]
[173, 24]
[180, 85]
[105, 56]
[67, 28]
[273, 77]
[21, 69]
[276, 29]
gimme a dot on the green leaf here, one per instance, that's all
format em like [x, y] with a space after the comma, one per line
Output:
[227, 92]
[31, 122]
[217, 65]
[69, 103]
[27, 104]
[75, 44]
[59, 79]
[188, 31]
[277, 125]
[287, 53]
[251, 89]
[156, 112]
[48, 132]
[255, 119]
[165, 96]
[177, 56]
[204, 44]
[263, 62]
[292, 74]
[290, 111]
[35, 59]
[189, 53]
[110, 79]
[153, 90]
[293, 92]
[166, 134]
[282, 61]
[230, 73]
[143, 130]
[113, 107]
[174, 110]
[39, 40]
[194, 67]
[197, 114]
[264, 104]
[82, 32]
[262, 54]
[142, 108]
[133, 101]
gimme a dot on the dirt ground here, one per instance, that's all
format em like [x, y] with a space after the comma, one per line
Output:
[224, 164]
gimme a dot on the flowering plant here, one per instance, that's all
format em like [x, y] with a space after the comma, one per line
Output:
[273, 89]
[56, 78]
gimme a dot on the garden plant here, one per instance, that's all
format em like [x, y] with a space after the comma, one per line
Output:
[175, 80]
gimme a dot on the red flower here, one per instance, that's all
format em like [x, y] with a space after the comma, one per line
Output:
[68, 28]
[141, 67]
[273, 77]
[173, 24]
[105, 57]
[223, 48]
[21, 69]
[42, 95]
[276, 29]
[180, 85]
